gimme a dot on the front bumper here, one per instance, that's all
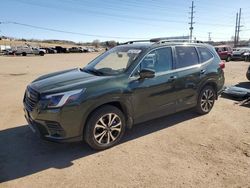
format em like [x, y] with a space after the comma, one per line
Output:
[55, 125]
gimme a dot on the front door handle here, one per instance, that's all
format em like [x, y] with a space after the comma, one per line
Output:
[203, 71]
[172, 78]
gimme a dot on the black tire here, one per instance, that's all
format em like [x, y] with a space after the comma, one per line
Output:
[248, 76]
[41, 53]
[228, 58]
[98, 137]
[24, 54]
[205, 104]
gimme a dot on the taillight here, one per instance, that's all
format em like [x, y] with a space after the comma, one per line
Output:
[222, 64]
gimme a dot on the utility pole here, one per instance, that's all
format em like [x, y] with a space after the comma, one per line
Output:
[191, 23]
[239, 26]
[209, 36]
[236, 31]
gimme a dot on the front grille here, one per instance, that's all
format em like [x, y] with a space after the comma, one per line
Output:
[31, 98]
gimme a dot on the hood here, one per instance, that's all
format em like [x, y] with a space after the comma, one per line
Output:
[65, 81]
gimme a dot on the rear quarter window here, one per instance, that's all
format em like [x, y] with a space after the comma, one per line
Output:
[186, 56]
[205, 54]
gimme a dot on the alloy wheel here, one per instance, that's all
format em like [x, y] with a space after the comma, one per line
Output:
[207, 100]
[107, 129]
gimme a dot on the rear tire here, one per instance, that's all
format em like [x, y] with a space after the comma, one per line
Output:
[105, 127]
[206, 100]
[228, 58]
[24, 54]
[248, 76]
[41, 53]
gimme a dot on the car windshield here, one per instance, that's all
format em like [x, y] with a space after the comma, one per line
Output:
[113, 62]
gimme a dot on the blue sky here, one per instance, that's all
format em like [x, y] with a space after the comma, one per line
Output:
[122, 19]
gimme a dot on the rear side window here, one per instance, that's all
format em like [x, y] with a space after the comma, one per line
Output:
[186, 56]
[205, 54]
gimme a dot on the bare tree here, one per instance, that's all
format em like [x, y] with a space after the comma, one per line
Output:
[96, 43]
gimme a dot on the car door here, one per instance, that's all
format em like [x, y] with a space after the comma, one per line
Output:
[188, 76]
[154, 97]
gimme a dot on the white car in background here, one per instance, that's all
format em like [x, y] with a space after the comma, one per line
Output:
[25, 50]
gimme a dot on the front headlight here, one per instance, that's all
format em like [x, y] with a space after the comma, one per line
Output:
[59, 99]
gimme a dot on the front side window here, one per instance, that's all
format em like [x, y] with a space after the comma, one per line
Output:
[159, 60]
[113, 62]
[205, 54]
[186, 56]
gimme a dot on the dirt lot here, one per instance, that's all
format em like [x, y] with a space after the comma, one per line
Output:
[182, 150]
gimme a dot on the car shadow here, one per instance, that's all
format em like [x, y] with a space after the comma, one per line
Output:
[22, 153]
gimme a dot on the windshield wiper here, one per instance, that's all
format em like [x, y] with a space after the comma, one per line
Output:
[93, 71]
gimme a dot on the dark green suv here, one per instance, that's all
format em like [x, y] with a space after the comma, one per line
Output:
[127, 85]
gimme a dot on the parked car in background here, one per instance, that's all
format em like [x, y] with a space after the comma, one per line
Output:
[129, 84]
[246, 56]
[248, 73]
[61, 49]
[225, 52]
[50, 50]
[25, 50]
[76, 50]
[238, 53]
[8, 52]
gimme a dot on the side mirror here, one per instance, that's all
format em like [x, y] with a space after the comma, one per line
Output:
[147, 73]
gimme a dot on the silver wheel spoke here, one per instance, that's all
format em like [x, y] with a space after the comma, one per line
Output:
[112, 137]
[108, 134]
[100, 136]
[210, 95]
[102, 122]
[115, 129]
[100, 126]
[113, 119]
[100, 140]
[109, 118]
[210, 102]
[205, 94]
[117, 125]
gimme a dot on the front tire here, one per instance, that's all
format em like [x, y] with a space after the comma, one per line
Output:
[206, 100]
[105, 127]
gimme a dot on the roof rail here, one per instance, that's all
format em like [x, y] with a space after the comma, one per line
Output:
[178, 40]
[134, 41]
[163, 40]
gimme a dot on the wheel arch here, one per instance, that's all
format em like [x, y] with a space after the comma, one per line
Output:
[125, 109]
[211, 83]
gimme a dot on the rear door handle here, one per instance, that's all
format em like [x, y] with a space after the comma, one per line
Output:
[172, 78]
[203, 71]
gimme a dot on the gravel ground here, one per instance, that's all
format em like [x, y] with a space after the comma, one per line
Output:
[181, 150]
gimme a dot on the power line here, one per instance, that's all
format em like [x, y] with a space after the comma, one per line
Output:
[67, 32]
[119, 16]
